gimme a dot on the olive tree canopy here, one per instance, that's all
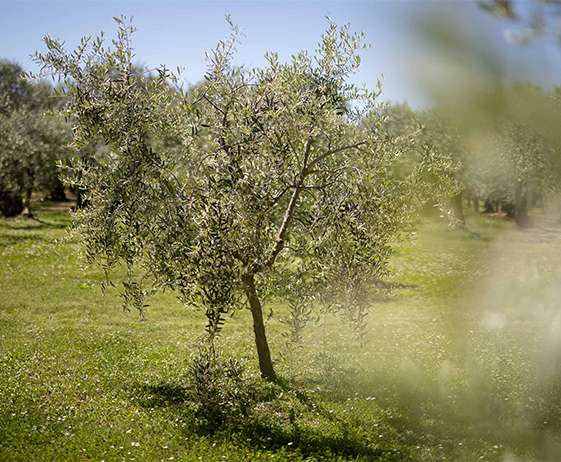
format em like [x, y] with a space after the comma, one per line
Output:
[228, 191]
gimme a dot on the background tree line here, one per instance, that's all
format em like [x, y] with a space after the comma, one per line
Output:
[34, 139]
[513, 169]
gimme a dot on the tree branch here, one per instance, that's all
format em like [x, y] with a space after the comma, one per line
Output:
[326, 154]
[289, 212]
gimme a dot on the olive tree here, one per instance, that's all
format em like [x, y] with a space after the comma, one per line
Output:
[32, 145]
[272, 173]
[15, 91]
[34, 138]
[514, 159]
[433, 154]
[514, 167]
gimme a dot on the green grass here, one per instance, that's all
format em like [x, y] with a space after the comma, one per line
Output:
[461, 361]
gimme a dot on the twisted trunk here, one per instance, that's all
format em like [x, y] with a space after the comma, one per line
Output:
[11, 204]
[263, 352]
[27, 204]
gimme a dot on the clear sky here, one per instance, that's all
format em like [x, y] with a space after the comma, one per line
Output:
[178, 32]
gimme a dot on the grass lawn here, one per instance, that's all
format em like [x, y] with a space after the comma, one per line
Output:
[462, 360]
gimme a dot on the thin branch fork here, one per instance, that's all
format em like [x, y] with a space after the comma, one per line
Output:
[331, 152]
[299, 187]
[289, 212]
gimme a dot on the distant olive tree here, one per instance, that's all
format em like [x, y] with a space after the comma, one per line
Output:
[433, 153]
[441, 138]
[15, 91]
[272, 176]
[31, 146]
[34, 138]
[515, 158]
[515, 168]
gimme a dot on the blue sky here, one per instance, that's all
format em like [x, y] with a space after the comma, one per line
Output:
[177, 33]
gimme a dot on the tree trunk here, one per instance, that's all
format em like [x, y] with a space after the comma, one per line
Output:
[457, 208]
[80, 201]
[521, 205]
[56, 192]
[265, 363]
[27, 204]
[11, 204]
[489, 206]
[510, 209]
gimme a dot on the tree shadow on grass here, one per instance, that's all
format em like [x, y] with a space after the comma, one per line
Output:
[40, 223]
[54, 225]
[309, 442]
[9, 240]
[481, 414]
[271, 430]
[33, 224]
[162, 395]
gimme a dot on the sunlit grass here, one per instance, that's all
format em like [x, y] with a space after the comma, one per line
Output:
[457, 364]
